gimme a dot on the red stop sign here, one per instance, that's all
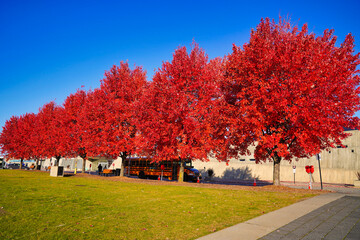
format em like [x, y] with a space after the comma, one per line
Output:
[309, 169]
[162, 167]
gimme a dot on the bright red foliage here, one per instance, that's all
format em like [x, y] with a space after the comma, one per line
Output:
[121, 88]
[93, 116]
[7, 137]
[290, 92]
[19, 137]
[32, 136]
[110, 112]
[173, 112]
[52, 131]
[75, 123]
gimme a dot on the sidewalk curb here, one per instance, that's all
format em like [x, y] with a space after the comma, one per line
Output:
[260, 226]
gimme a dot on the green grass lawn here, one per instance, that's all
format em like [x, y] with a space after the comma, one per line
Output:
[34, 205]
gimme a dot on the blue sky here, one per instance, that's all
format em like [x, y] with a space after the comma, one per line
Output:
[49, 49]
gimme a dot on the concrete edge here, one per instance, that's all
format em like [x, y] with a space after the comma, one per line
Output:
[260, 226]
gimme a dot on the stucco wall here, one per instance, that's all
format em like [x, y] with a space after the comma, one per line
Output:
[338, 165]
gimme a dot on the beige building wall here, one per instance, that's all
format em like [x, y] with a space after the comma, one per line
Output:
[69, 164]
[338, 165]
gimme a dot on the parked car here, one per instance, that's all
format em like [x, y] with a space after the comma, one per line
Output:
[13, 166]
[16, 166]
[2, 163]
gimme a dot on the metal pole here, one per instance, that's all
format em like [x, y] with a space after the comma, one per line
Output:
[318, 157]
[294, 171]
[320, 174]
[294, 178]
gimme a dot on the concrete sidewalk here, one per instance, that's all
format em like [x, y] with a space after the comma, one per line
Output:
[263, 225]
[339, 219]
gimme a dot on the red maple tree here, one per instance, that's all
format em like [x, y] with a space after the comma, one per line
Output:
[290, 92]
[33, 137]
[110, 112]
[75, 123]
[93, 117]
[16, 137]
[173, 113]
[52, 132]
[6, 140]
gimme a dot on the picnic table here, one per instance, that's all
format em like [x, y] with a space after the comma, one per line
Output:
[106, 172]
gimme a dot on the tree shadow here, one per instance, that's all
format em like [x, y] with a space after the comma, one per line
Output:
[68, 175]
[236, 176]
[239, 174]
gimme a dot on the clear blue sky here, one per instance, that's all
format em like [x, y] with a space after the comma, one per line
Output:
[49, 49]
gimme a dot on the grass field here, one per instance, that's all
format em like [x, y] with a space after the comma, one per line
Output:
[34, 205]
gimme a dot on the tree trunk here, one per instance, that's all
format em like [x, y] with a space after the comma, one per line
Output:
[123, 159]
[83, 165]
[276, 170]
[57, 160]
[83, 156]
[181, 171]
[21, 163]
[36, 163]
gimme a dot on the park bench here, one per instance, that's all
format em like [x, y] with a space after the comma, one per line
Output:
[106, 172]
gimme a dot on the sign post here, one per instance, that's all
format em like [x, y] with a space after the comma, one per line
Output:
[318, 157]
[294, 171]
[310, 170]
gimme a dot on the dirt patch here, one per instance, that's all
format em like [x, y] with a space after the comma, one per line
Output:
[3, 212]
[218, 185]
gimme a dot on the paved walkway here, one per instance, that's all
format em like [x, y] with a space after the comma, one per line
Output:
[327, 216]
[339, 219]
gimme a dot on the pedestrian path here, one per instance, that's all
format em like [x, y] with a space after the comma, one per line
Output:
[339, 219]
[328, 216]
